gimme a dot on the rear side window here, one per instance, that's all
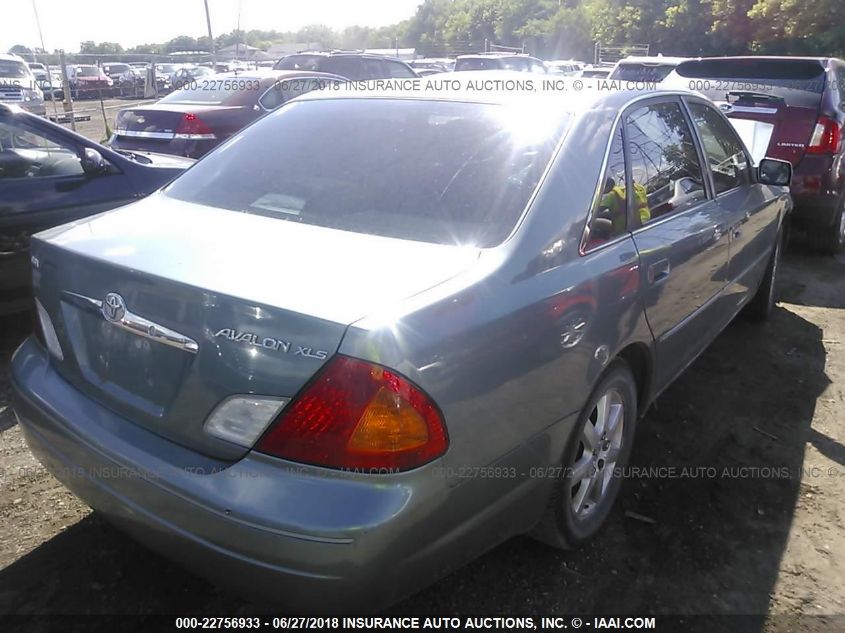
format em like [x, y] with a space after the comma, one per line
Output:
[727, 159]
[431, 171]
[350, 67]
[400, 71]
[665, 168]
[609, 218]
[287, 89]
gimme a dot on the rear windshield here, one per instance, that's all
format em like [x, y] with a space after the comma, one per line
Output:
[797, 82]
[432, 171]
[642, 72]
[213, 91]
[478, 63]
[299, 62]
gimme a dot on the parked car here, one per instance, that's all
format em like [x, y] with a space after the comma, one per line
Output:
[18, 85]
[38, 70]
[348, 376]
[187, 76]
[49, 176]
[114, 70]
[132, 82]
[645, 69]
[593, 72]
[567, 68]
[791, 108]
[438, 65]
[355, 66]
[89, 81]
[499, 61]
[193, 120]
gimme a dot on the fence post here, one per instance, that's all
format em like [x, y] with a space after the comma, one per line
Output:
[68, 102]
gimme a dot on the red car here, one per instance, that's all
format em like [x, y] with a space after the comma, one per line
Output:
[89, 81]
[203, 113]
[792, 108]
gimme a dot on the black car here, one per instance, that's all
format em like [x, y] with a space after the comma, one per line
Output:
[350, 65]
[50, 176]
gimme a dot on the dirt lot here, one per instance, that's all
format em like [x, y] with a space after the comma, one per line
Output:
[769, 539]
[89, 115]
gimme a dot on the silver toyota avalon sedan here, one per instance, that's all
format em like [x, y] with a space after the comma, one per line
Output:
[374, 335]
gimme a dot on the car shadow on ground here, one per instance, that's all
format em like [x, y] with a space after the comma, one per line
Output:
[705, 540]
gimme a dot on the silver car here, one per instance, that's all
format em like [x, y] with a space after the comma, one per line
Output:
[374, 335]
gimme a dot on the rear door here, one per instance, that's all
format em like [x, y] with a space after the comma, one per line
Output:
[682, 238]
[751, 211]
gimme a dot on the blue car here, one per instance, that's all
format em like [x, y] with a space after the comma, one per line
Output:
[374, 335]
[49, 176]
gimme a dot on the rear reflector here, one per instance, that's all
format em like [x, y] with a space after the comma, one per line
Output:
[193, 128]
[357, 415]
[826, 137]
[242, 419]
[48, 331]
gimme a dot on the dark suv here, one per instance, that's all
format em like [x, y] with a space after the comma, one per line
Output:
[351, 65]
[791, 108]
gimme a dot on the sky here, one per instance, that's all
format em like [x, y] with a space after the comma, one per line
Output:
[66, 23]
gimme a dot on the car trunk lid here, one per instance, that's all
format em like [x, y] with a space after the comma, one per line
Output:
[266, 302]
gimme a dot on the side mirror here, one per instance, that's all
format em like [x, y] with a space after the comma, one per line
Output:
[609, 184]
[93, 163]
[772, 171]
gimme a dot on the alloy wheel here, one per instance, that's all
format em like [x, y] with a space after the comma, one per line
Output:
[600, 445]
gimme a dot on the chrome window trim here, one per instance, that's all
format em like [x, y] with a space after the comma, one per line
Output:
[662, 96]
[737, 137]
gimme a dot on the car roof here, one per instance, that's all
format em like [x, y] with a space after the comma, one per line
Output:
[344, 54]
[577, 98]
[655, 59]
[11, 57]
[493, 55]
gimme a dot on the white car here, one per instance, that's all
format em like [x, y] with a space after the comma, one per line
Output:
[18, 85]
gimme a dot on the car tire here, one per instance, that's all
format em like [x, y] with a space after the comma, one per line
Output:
[762, 305]
[577, 508]
[831, 239]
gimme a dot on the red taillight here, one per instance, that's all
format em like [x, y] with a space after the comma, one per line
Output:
[361, 416]
[193, 128]
[826, 137]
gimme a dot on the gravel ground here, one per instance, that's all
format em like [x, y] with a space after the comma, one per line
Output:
[733, 542]
[90, 121]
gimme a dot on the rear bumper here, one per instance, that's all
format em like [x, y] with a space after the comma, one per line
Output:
[817, 190]
[307, 538]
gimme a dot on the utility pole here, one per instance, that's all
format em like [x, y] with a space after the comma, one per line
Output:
[210, 37]
[46, 59]
[237, 41]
